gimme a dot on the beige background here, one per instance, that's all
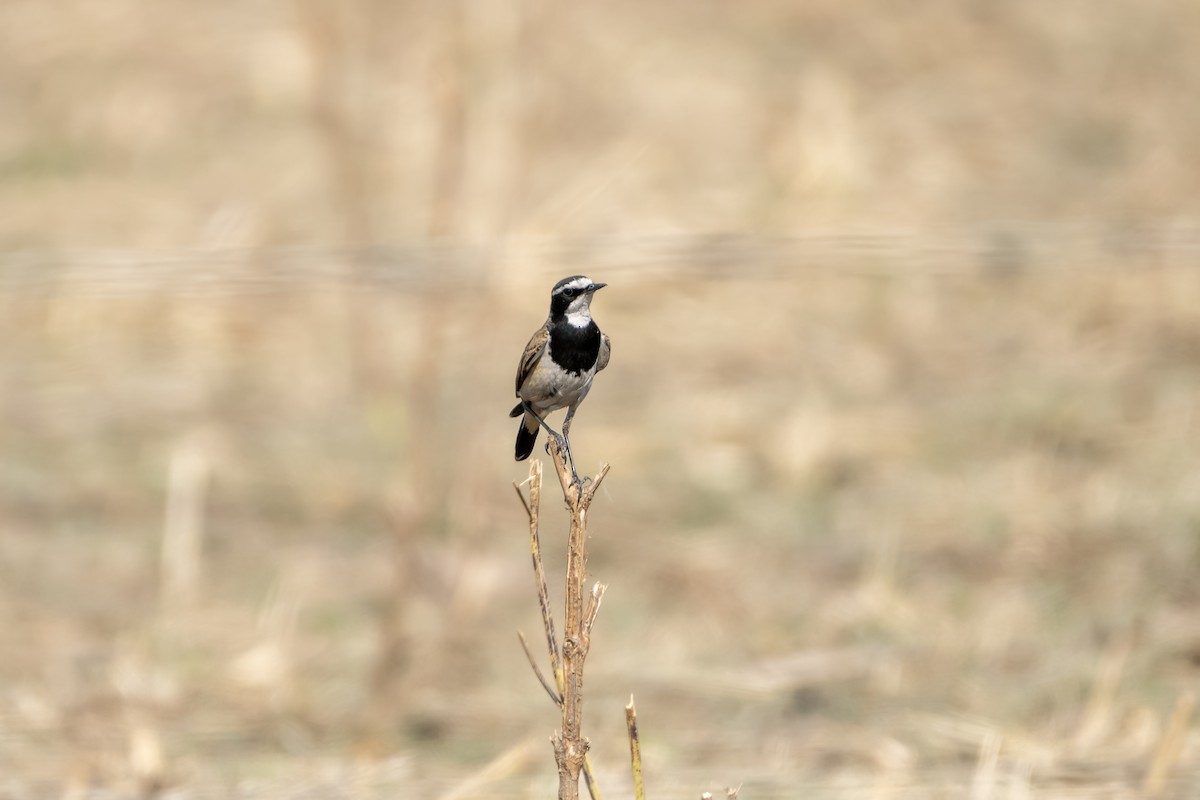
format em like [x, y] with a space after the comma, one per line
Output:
[902, 410]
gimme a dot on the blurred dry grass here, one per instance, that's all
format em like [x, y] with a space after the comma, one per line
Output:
[902, 410]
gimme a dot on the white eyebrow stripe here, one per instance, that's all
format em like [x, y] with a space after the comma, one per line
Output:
[578, 283]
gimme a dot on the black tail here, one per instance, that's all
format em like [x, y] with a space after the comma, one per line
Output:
[526, 438]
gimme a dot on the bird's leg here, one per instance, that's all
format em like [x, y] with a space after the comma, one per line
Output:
[559, 438]
[566, 440]
[564, 444]
[541, 421]
[567, 422]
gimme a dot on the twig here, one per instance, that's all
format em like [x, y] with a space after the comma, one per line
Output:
[1170, 746]
[183, 532]
[635, 750]
[521, 496]
[532, 508]
[593, 608]
[570, 747]
[590, 779]
[555, 696]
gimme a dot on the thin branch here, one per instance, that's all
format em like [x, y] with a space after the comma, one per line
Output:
[570, 746]
[521, 495]
[590, 779]
[594, 483]
[555, 696]
[1166, 754]
[532, 509]
[635, 749]
[539, 573]
[592, 609]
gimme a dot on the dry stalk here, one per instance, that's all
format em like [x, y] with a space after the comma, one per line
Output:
[535, 548]
[554, 695]
[635, 750]
[1169, 747]
[183, 532]
[570, 747]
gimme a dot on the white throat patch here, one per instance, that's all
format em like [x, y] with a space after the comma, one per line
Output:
[579, 317]
[579, 313]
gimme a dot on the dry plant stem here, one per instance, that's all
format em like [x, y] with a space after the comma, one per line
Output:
[532, 508]
[635, 750]
[1170, 746]
[183, 532]
[593, 608]
[555, 696]
[570, 747]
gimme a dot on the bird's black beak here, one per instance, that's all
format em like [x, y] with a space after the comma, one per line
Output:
[596, 286]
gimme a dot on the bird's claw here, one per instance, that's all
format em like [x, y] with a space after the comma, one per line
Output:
[564, 447]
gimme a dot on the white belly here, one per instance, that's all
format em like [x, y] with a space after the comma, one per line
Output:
[549, 388]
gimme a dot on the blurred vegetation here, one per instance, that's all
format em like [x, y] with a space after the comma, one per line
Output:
[902, 410]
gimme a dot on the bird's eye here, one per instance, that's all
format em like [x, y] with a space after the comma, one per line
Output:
[569, 292]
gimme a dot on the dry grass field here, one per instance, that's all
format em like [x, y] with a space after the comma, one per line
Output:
[903, 411]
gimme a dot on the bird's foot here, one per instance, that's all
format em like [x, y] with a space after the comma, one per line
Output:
[564, 446]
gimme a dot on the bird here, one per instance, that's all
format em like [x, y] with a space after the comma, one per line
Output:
[559, 363]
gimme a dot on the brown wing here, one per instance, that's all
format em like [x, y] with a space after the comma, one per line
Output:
[605, 352]
[533, 354]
